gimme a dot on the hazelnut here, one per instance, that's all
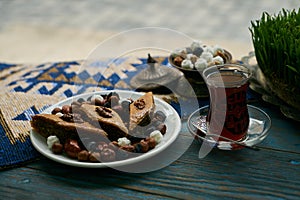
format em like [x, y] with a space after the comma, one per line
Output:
[162, 128]
[108, 155]
[221, 54]
[66, 109]
[151, 142]
[102, 146]
[67, 117]
[72, 148]
[178, 60]
[113, 145]
[92, 146]
[138, 148]
[129, 148]
[94, 157]
[57, 148]
[114, 100]
[83, 155]
[55, 110]
[97, 101]
[144, 146]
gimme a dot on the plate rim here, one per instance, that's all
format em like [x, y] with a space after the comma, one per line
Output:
[35, 137]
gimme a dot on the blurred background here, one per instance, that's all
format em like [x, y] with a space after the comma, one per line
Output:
[34, 31]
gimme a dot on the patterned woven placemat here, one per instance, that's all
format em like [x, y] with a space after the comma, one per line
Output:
[15, 111]
[29, 89]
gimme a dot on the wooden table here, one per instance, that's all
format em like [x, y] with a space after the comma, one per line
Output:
[271, 173]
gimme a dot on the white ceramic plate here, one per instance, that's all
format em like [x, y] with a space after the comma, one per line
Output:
[172, 122]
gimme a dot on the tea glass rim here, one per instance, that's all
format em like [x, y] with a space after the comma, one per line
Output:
[236, 68]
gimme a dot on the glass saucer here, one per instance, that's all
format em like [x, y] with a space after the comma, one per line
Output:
[259, 125]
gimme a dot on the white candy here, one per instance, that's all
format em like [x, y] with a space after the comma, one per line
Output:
[123, 142]
[191, 57]
[59, 114]
[187, 64]
[201, 64]
[207, 56]
[224, 145]
[218, 60]
[157, 136]
[217, 49]
[195, 44]
[208, 49]
[51, 140]
[96, 96]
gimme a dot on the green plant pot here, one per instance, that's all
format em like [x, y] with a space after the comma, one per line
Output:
[288, 93]
[274, 90]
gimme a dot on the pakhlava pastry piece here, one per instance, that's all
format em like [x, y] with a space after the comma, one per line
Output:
[64, 127]
[141, 111]
[108, 119]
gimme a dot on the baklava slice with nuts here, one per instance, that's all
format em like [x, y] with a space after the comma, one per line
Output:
[108, 119]
[141, 111]
[65, 126]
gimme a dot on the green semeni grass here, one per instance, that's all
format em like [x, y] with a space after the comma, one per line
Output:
[276, 41]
